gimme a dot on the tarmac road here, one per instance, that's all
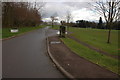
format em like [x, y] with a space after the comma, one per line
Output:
[26, 57]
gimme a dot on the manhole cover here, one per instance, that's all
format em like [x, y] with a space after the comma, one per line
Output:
[55, 42]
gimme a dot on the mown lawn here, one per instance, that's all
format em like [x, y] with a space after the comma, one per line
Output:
[98, 38]
[93, 56]
[6, 31]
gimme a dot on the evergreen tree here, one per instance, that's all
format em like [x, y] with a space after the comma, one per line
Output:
[100, 24]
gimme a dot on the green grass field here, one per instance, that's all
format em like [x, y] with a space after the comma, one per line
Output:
[93, 56]
[98, 38]
[6, 31]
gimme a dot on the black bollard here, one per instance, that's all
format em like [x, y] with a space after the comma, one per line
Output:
[63, 31]
[60, 30]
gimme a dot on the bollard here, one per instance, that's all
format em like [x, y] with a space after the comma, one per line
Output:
[62, 29]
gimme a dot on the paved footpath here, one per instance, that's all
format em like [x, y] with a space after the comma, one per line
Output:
[26, 57]
[75, 65]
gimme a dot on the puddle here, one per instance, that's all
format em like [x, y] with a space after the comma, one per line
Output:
[47, 27]
[58, 32]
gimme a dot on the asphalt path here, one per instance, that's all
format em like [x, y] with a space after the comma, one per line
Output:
[26, 56]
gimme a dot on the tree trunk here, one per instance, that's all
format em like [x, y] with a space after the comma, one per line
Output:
[109, 33]
[67, 26]
[52, 23]
[108, 41]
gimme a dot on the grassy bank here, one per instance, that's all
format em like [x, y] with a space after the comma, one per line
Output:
[6, 31]
[93, 56]
[98, 38]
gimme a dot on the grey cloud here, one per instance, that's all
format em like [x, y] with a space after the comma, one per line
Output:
[61, 8]
[56, 9]
[78, 5]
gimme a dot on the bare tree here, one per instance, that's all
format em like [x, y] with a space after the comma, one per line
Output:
[110, 9]
[38, 5]
[53, 18]
[69, 17]
[18, 14]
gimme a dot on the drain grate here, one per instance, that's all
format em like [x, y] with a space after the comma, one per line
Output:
[55, 42]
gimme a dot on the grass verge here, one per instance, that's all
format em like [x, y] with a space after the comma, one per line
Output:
[6, 31]
[95, 57]
[98, 38]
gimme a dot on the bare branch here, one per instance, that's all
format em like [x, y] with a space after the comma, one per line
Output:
[68, 16]
[109, 9]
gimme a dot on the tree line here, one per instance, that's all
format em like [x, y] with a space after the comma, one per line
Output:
[20, 14]
[97, 25]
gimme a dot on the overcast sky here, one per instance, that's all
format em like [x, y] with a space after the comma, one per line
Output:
[79, 11]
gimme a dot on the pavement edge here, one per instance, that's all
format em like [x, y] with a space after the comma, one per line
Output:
[57, 64]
